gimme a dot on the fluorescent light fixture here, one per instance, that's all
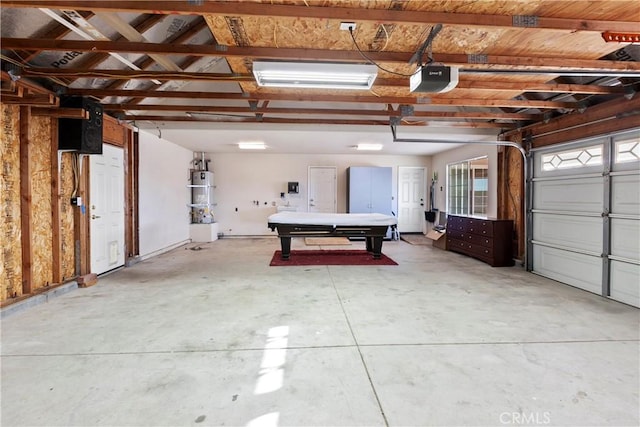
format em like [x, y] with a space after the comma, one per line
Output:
[322, 75]
[369, 147]
[251, 145]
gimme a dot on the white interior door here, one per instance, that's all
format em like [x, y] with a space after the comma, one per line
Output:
[411, 196]
[106, 210]
[322, 189]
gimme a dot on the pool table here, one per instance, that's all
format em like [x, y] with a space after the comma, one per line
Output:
[372, 226]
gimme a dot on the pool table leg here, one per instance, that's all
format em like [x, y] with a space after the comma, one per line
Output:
[285, 243]
[374, 244]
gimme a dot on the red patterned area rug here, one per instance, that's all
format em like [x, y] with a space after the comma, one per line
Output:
[330, 257]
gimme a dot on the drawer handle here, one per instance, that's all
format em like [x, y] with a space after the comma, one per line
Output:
[471, 229]
[484, 231]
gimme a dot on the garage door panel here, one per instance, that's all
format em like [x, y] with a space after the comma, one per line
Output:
[581, 271]
[574, 195]
[573, 191]
[625, 283]
[583, 233]
[625, 194]
[625, 238]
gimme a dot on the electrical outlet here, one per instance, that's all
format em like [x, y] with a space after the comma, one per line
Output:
[76, 201]
[347, 26]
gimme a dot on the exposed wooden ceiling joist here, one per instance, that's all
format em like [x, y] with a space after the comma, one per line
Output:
[252, 119]
[25, 84]
[528, 63]
[496, 103]
[31, 99]
[67, 113]
[57, 32]
[143, 24]
[463, 84]
[516, 59]
[181, 37]
[605, 111]
[317, 111]
[338, 13]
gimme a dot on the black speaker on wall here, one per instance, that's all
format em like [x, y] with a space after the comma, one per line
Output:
[81, 135]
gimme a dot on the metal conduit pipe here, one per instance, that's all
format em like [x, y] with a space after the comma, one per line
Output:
[554, 72]
[525, 167]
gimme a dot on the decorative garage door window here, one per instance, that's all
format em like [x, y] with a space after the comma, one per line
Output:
[627, 151]
[575, 158]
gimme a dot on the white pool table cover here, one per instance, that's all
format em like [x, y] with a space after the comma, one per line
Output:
[332, 219]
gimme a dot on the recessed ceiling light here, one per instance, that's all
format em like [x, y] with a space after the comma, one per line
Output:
[251, 145]
[369, 147]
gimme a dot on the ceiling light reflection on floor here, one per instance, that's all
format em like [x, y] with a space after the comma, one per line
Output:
[271, 374]
[267, 420]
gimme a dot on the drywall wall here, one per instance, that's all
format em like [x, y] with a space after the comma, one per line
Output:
[163, 193]
[242, 178]
[441, 160]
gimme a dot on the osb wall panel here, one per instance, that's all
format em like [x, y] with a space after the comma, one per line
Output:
[41, 222]
[514, 203]
[10, 226]
[370, 36]
[66, 217]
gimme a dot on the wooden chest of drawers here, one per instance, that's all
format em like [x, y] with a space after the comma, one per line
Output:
[488, 240]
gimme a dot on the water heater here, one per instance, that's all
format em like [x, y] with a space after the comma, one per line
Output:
[201, 197]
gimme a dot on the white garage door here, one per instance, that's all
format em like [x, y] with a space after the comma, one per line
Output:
[586, 215]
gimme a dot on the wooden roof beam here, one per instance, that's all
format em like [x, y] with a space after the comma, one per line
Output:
[337, 13]
[30, 100]
[57, 32]
[26, 84]
[530, 64]
[493, 86]
[466, 102]
[540, 88]
[315, 111]
[67, 113]
[102, 93]
[182, 37]
[142, 25]
[253, 119]
[10, 87]
[611, 110]
[135, 74]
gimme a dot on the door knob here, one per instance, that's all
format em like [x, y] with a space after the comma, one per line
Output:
[95, 216]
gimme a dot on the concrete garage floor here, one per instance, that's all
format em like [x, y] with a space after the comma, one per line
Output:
[217, 337]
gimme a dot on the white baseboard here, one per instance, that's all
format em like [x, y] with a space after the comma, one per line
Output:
[163, 250]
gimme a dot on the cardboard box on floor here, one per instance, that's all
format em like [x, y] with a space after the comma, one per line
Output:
[438, 239]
